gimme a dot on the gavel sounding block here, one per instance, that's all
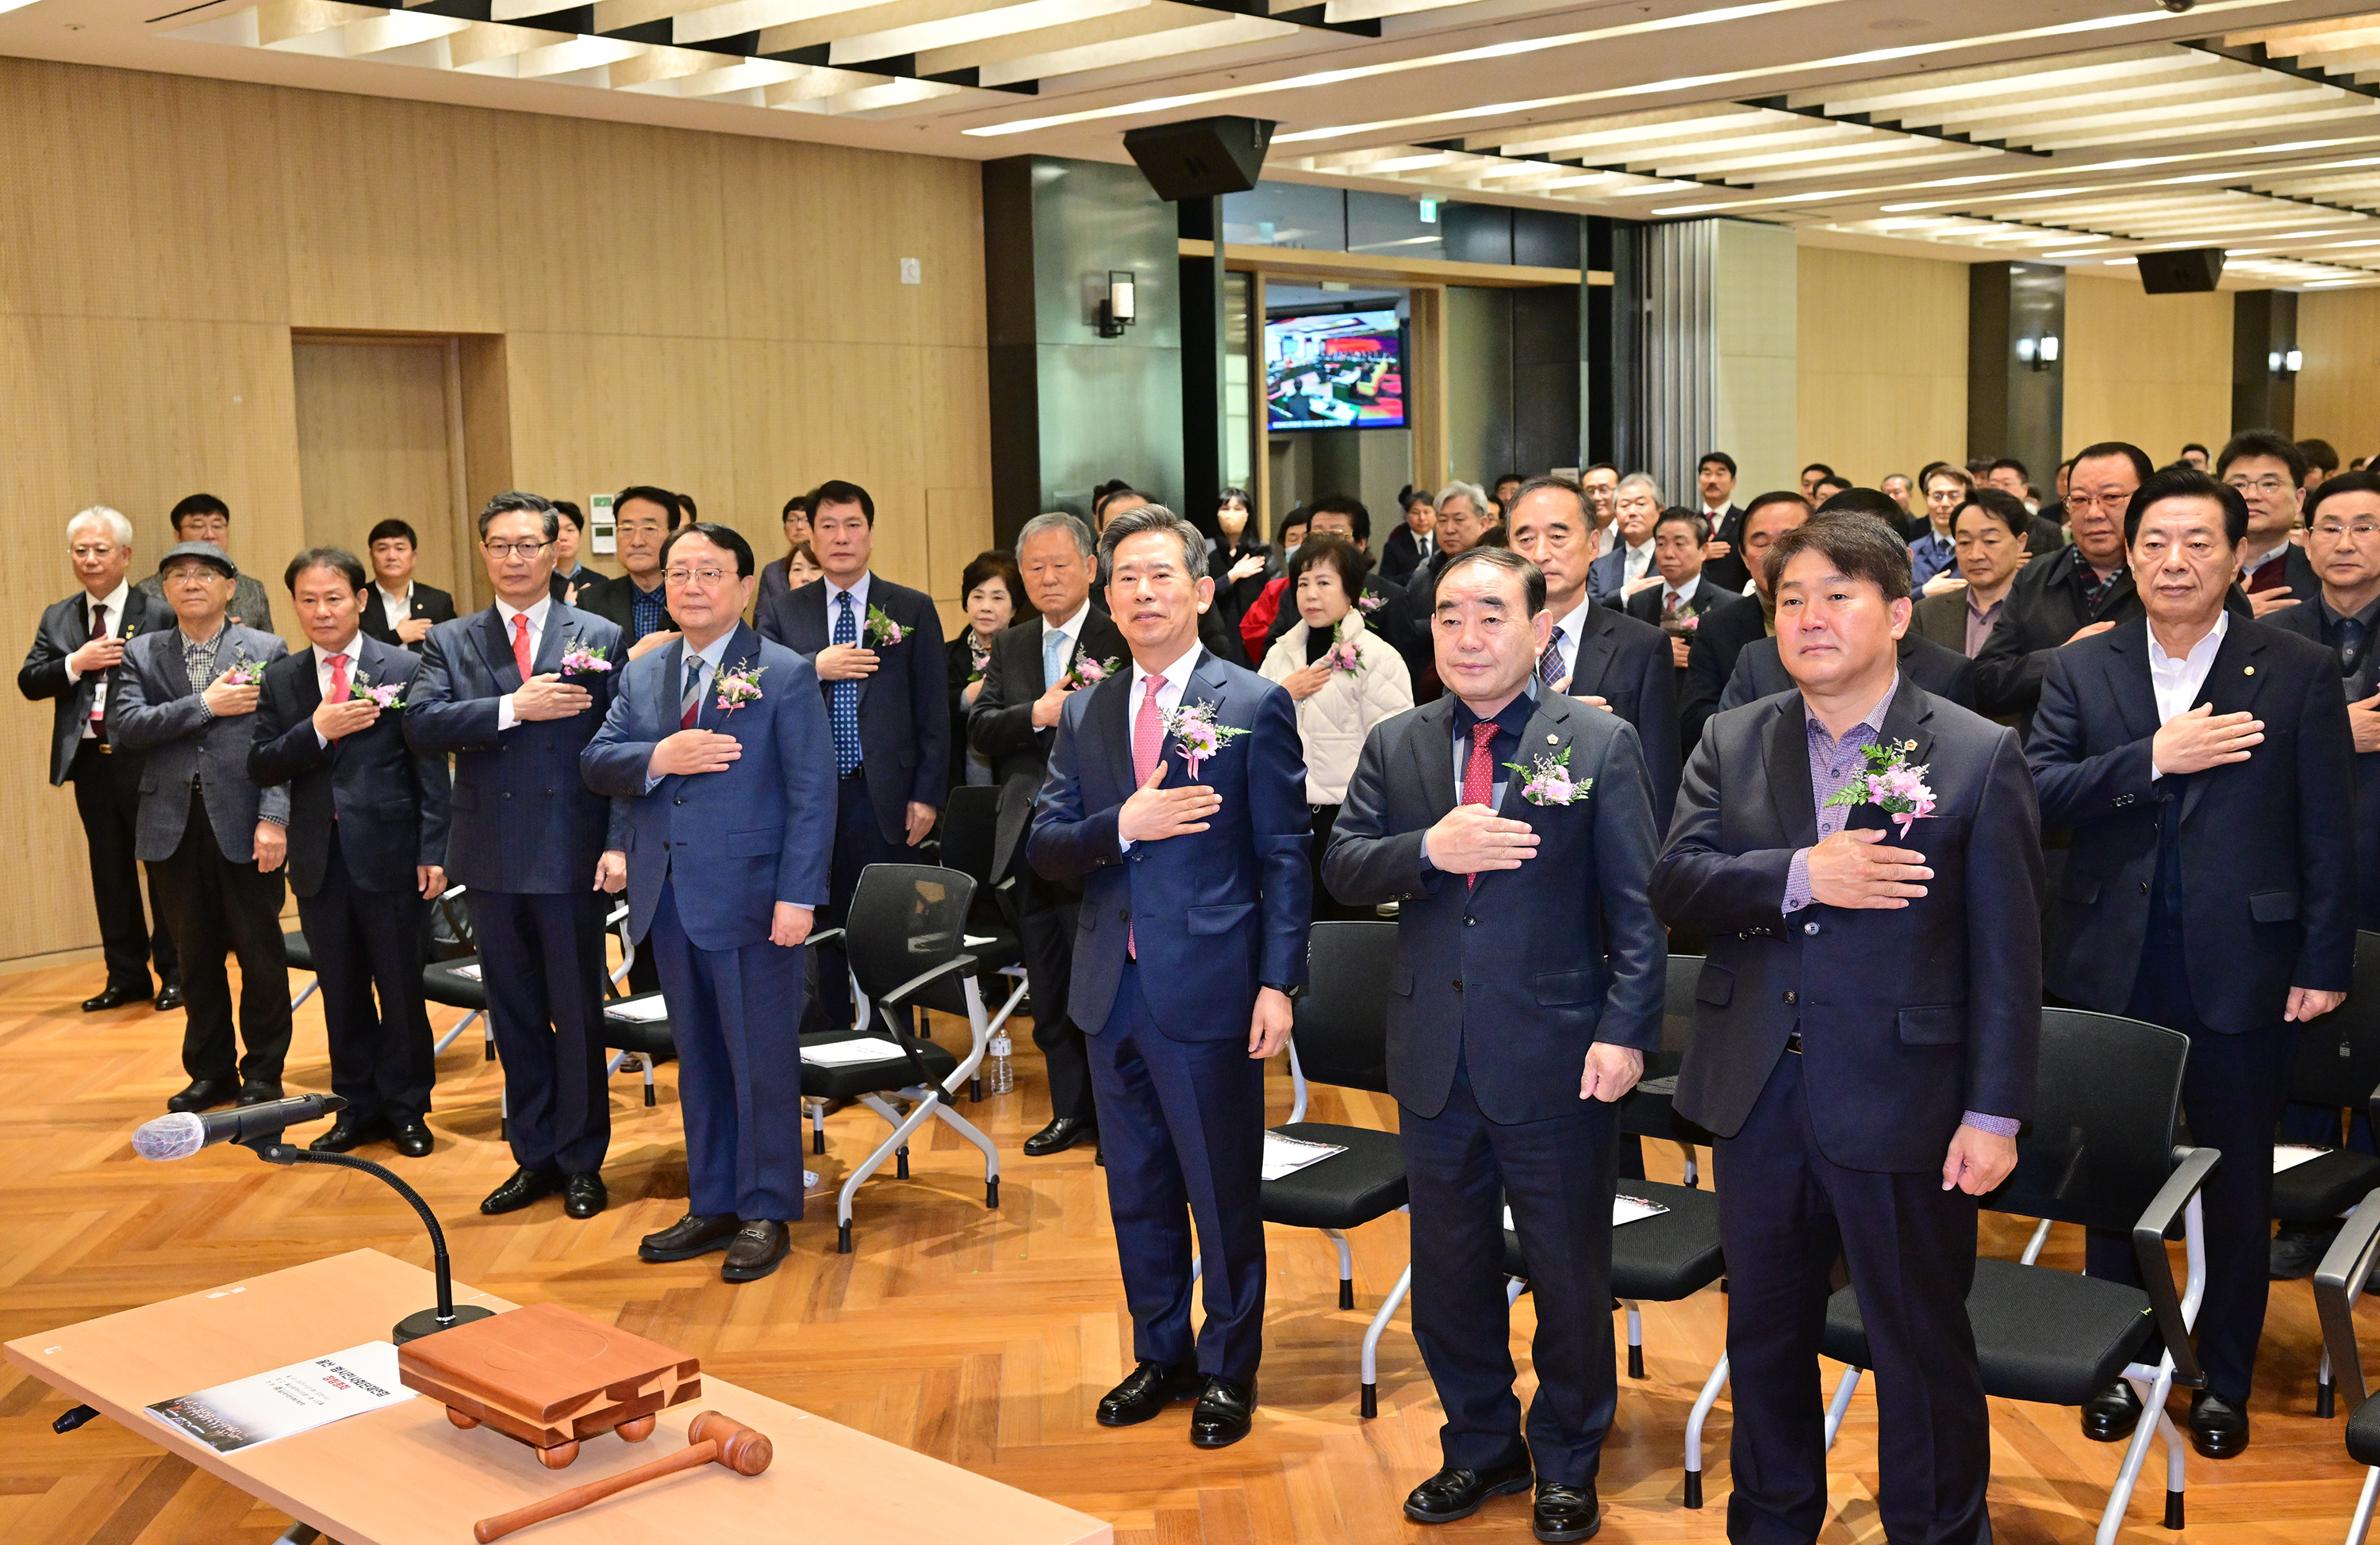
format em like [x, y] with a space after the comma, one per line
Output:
[548, 1378]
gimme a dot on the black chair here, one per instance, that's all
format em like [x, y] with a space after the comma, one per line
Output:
[970, 831]
[905, 935]
[301, 958]
[2337, 1284]
[455, 981]
[2100, 1152]
[2337, 1064]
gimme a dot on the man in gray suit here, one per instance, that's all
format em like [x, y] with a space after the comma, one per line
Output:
[186, 697]
[204, 518]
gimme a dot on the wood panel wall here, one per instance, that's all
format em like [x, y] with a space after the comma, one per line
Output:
[712, 313]
[2152, 369]
[2338, 390]
[377, 440]
[1882, 362]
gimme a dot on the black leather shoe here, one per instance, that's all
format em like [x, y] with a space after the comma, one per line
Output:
[2298, 1248]
[345, 1134]
[1565, 1513]
[1225, 1414]
[258, 1091]
[171, 998]
[691, 1236]
[1147, 1391]
[525, 1187]
[413, 1139]
[2109, 1416]
[759, 1247]
[2218, 1429]
[1451, 1493]
[583, 1195]
[204, 1095]
[1063, 1133]
[112, 998]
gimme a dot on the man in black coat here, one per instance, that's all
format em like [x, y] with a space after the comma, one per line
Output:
[77, 649]
[1866, 1030]
[367, 846]
[1710, 657]
[2075, 592]
[877, 648]
[1035, 667]
[2205, 764]
[1947, 674]
[399, 608]
[635, 601]
[1522, 904]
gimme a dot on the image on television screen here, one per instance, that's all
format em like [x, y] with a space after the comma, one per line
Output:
[1340, 372]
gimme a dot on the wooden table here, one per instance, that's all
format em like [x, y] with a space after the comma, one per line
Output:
[404, 1475]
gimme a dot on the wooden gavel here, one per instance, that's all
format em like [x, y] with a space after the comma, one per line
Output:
[710, 1438]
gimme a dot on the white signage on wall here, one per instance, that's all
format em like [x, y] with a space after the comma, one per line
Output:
[602, 531]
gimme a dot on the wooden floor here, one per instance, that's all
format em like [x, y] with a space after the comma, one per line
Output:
[982, 1338]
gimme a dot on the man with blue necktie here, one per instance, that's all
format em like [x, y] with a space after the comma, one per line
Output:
[877, 648]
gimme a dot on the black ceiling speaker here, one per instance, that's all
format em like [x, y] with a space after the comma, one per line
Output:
[2194, 272]
[1200, 158]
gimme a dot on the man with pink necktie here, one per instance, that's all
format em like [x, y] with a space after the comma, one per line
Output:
[1176, 796]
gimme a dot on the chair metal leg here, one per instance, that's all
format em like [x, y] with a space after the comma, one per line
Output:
[968, 1131]
[454, 1034]
[817, 1125]
[1371, 1406]
[902, 1127]
[1841, 1403]
[1346, 1268]
[488, 1037]
[1635, 1339]
[649, 1082]
[1703, 1404]
[1512, 1289]
[2361, 1525]
[2175, 1480]
[2136, 1453]
[612, 1068]
[304, 993]
[2033, 1245]
[2325, 1394]
[298, 1534]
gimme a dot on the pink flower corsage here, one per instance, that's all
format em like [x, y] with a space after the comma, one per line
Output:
[1890, 784]
[1197, 735]
[583, 658]
[1547, 780]
[1089, 672]
[385, 695]
[244, 671]
[739, 687]
[881, 631]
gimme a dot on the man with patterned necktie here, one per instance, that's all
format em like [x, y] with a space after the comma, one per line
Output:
[878, 649]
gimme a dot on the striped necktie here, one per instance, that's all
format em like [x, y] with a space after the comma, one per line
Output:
[689, 702]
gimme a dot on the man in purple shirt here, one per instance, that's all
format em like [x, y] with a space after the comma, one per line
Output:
[1866, 1032]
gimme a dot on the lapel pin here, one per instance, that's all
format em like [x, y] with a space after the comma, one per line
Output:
[2252, 670]
[1553, 740]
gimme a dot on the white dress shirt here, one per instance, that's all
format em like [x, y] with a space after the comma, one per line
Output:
[1567, 629]
[1637, 565]
[858, 605]
[1684, 593]
[2178, 682]
[1168, 696]
[506, 717]
[322, 672]
[1606, 539]
[112, 605]
[394, 608]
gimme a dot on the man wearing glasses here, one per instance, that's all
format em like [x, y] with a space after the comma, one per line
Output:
[515, 692]
[2270, 473]
[635, 601]
[204, 518]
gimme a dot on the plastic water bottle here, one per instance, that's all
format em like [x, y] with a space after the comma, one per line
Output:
[1001, 1079]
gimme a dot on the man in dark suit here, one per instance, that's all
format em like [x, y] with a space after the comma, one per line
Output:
[1614, 576]
[1176, 797]
[1556, 871]
[1597, 653]
[1714, 482]
[2078, 591]
[633, 601]
[216, 841]
[400, 610]
[877, 648]
[1865, 1034]
[740, 785]
[367, 846]
[204, 518]
[1036, 667]
[2269, 471]
[1989, 536]
[515, 692]
[1760, 671]
[2205, 764]
[1721, 635]
[1411, 544]
[77, 650]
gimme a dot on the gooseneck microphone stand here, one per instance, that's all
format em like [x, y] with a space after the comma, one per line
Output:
[422, 1322]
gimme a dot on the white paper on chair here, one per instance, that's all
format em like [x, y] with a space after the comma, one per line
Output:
[471, 971]
[2288, 1155]
[852, 1054]
[1284, 1156]
[640, 1012]
[1624, 1208]
[977, 941]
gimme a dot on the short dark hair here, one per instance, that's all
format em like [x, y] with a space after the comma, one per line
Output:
[513, 501]
[1928, 470]
[1504, 477]
[1153, 518]
[1504, 560]
[1596, 466]
[2187, 448]
[1875, 502]
[1678, 515]
[2265, 442]
[2143, 468]
[1820, 468]
[1329, 547]
[346, 565]
[725, 536]
[992, 563]
[1958, 475]
[1774, 496]
[1296, 514]
[651, 495]
[2187, 482]
[1835, 482]
[834, 490]
[2010, 463]
[568, 510]
[1576, 492]
[1999, 503]
[386, 530]
[1349, 506]
[1855, 544]
[1721, 457]
[2320, 453]
[800, 502]
[2345, 482]
[1246, 500]
[208, 505]
[686, 510]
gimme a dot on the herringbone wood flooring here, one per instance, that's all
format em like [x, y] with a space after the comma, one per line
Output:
[981, 1338]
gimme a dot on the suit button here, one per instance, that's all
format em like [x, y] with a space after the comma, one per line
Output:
[1471, 923]
[1809, 927]
[1458, 984]
[1122, 915]
[2144, 888]
[1792, 996]
[508, 794]
[677, 802]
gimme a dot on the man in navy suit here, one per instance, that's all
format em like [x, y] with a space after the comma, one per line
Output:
[2205, 766]
[2269, 471]
[367, 846]
[1760, 671]
[1866, 1030]
[515, 693]
[1522, 904]
[717, 753]
[1177, 796]
[1613, 577]
[1723, 632]
[876, 648]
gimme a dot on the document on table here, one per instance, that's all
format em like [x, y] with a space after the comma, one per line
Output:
[2288, 1155]
[1287, 1155]
[640, 1012]
[471, 971]
[1624, 1208]
[299, 1398]
[852, 1054]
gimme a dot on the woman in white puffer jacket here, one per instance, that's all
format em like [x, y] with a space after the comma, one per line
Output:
[1344, 677]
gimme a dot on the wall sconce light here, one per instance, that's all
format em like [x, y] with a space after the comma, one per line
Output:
[2047, 355]
[2281, 364]
[2025, 350]
[1116, 309]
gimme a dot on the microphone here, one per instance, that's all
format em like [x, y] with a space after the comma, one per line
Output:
[183, 1134]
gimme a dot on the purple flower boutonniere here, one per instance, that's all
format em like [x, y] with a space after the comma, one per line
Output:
[1547, 780]
[1197, 735]
[384, 694]
[881, 631]
[1369, 603]
[1089, 672]
[583, 660]
[1342, 657]
[244, 671]
[1890, 784]
[739, 687]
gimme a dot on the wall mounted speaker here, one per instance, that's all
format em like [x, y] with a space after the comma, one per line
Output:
[1200, 158]
[2191, 272]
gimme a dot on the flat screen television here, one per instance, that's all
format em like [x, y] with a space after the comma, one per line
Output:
[1343, 370]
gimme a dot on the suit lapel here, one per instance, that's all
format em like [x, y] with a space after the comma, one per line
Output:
[2231, 687]
[560, 628]
[1109, 719]
[1432, 743]
[1594, 653]
[1906, 721]
[1548, 734]
[672, 685]
[498, 650]
[1787, 751]
[2128, 677]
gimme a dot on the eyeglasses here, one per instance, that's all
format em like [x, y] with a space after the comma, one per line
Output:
[2362, 530]
[501, 550]
[2078, 500]
[2268, 487]
[704, 577]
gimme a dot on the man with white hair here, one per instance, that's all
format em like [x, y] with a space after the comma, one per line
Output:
[1626, 565]
[73, 661]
